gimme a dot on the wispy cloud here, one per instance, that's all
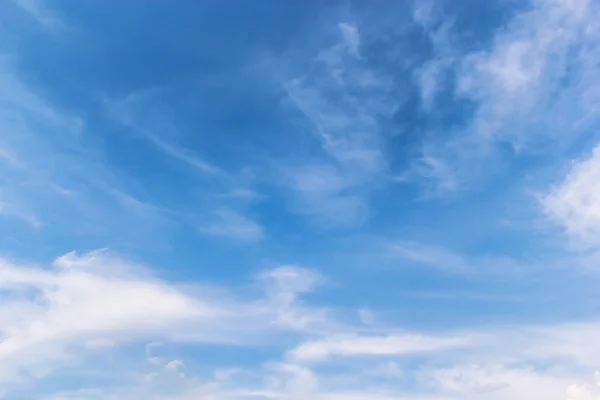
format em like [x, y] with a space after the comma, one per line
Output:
[373, 346]
[484, 266]
[532, 88]
[228, 224]
[46, 166]
[429, 255]
[327, 194]
[14, 211]
[351, 37]
[227, 195]
[341, 101]
[38, 10]
[127, 112]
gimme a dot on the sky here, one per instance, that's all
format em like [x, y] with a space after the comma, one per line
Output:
[289, 200]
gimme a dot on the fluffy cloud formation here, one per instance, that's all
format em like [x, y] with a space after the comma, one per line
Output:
[575, 202]
[97, 302]
[584, 391]
[83, 301]
[83, 306]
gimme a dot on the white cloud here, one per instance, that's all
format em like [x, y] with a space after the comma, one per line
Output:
[584, 391]
[520, 80]
[290, 280]
[326, 194]
[340, 101]
[389, 369]
[283, 286]
[374, 346]
[99, 344]
[517, 363]
[429, 255]
[470, 382]
[130, 112]
[13, 210]
[351, 37]
[174, 364]
[569, 341]
[38, 10]
[92, 304]
[227, 195]
[232, 225]
[535, 88]
[575, 202]
[46, 172]
[403, 253]
[75, 302]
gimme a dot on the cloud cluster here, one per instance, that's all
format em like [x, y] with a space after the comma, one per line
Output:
[83, 306]
[95, 302]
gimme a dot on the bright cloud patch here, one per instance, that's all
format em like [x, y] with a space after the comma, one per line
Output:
[575, 202]
[373, 346]
[83, 301]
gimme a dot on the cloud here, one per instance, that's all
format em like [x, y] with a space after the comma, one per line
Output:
[327, 195]
[54, 311]
[497, 266]
[574, 203]
[82, 304]
[132, 111]
[290, 280]
[339, 101]
[567, 341]
[283, 287]
[226, 195]
[46, 162]
[525, 66]
[584, 391]
[429, 255]
[38, 10]
[80, 299]
[470, 382]
[229, 224]
[13, 210]
[534, 88]
[373, 346]
[351, 37]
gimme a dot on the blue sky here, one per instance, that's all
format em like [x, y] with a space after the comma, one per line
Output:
[299, 200]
